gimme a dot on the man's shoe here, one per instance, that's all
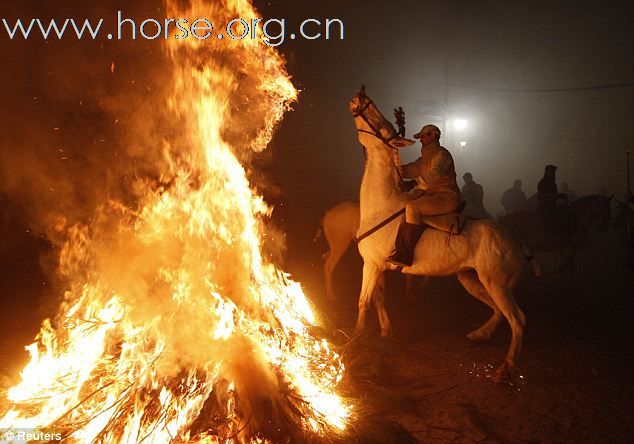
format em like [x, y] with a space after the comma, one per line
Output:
[406, 239]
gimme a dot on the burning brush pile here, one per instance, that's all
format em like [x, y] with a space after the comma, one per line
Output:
[174, 327]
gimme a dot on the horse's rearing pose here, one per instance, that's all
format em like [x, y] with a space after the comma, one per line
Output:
[486, 259]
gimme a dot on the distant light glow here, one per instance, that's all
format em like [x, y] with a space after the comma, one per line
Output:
[460, 124]
[463, 143]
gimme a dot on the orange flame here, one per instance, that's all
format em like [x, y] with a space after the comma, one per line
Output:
[172, 306]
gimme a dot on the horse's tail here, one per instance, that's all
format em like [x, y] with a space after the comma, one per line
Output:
[529, 256]
[320, 230]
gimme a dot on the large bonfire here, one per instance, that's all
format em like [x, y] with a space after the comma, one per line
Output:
[175, 328]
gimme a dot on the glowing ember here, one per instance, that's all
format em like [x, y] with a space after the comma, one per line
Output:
[175, 328]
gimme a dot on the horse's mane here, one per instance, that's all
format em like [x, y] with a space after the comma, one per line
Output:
[386, 124]
[587, 200]
[590, 197]
[396, 158]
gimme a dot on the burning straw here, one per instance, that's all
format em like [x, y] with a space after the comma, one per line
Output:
[174, 327]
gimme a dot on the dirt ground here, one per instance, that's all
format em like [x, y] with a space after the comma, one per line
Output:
[573, 382]
[427, 383]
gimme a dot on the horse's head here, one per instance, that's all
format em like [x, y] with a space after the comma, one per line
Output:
[596, 209]
[369, 121]
[359, 101]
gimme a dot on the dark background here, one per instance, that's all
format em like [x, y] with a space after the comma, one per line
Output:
[413, 53]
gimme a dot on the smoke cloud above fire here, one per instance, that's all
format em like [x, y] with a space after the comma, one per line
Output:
[79, 125]
[85, 121]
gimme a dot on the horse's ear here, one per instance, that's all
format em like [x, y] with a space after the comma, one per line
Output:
[401, 142]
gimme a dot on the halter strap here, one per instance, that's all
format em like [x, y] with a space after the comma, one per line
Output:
[377, 132]
[360, 112]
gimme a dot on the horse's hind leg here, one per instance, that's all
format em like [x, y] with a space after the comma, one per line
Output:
[503, 298]
[471, 283]
[412, 287]
[338, 247]
[409, 286]
[327, 270]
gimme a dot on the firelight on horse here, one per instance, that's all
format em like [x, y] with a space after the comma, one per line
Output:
[487, 260]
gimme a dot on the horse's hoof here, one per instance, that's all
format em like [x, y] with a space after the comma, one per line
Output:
[503, 373]
[477, 336]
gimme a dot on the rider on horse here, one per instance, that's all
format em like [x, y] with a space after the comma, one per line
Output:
[552, 205]
[436, 192]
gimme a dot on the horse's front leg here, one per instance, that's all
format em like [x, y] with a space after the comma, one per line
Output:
[379, 306]
[371, 275]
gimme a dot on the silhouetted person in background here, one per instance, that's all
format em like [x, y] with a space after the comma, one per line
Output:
[547, 197]
[473, 194]
[514, 198]
[547, 193]
[571, 196]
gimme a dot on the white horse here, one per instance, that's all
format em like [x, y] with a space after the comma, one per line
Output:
[339, 225]
[486, 258]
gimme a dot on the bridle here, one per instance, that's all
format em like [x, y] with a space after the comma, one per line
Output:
[376, 132]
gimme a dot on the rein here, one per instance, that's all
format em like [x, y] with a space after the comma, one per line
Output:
[379, 226]
[376, 132]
